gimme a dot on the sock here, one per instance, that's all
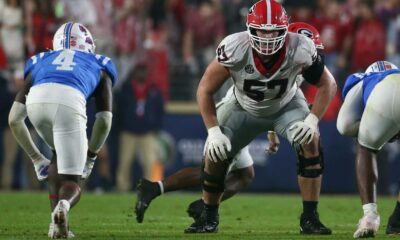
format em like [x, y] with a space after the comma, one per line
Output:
[161, 185]
[396, 212]
[211, 211]
[309, 207]
[370, 207]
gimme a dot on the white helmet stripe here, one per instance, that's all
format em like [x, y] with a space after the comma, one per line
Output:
[268, 11]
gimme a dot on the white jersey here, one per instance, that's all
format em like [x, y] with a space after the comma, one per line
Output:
[261, 91]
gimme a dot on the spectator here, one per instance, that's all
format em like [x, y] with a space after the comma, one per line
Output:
[129, 34]
[40, 25]
[335, 31]
[367, 47]
[140, 113]
[204, 30]
[11, 32]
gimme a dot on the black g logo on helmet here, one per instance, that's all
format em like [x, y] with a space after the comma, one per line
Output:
[305, 32]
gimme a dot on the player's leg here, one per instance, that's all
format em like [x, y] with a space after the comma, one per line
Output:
[127, 150]
[393, 226]
[103, 168]
[378, 125]
[310, 168]
[240, 174]
[69, 131]
[235, 181]
[146, 190]
[240, 127]
[148, 155]
[309, 165]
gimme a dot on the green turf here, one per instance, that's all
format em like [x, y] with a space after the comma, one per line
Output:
[25, 215]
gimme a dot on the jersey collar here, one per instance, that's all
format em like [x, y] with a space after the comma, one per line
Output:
[269, 68]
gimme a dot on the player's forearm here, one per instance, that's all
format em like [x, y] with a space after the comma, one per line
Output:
[100, 131]
[207, 108]
[16, 120]
[324, 96]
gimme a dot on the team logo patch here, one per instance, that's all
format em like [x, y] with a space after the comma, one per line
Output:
[305, 32]
[249, 68]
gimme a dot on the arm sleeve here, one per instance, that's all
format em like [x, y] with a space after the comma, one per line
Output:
[100, 131]
[313, 73]
[16, 120]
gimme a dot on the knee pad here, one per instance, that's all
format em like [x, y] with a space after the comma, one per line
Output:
[213, 183]
[303, 163]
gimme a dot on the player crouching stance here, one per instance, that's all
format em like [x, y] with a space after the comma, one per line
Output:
[370, 113]
[57, 85]
[264, 63]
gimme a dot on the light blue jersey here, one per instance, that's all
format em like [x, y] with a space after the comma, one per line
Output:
[80, 70]
[369, 82]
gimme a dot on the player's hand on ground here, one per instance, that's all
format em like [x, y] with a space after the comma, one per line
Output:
[41, 167]
[90, 161]
[218, 144]
[273, 145]
[303, 132]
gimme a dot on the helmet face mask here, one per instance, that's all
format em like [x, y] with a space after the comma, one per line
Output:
[73, 36]
[268, 17]
[380, 66]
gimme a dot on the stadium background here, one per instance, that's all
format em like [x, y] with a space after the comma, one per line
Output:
[175, 39]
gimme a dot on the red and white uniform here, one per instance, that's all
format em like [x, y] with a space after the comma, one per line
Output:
[261, 91]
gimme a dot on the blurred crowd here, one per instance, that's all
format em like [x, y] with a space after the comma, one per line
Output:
[160, 49]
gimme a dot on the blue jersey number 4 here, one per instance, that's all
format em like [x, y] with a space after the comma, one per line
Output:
[65, 61]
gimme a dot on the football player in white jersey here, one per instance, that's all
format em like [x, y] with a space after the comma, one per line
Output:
[240, 172]
[371, 115]
[264, 62]
[57, 85]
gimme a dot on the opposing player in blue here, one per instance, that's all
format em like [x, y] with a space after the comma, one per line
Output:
[57, 86]
[371, 114]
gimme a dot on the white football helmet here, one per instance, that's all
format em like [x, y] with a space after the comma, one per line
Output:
[74, 36]
[380, 66]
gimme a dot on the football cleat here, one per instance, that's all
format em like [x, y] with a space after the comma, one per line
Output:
[393, 226]
[42, 169]
[310, 224]
[195, 208]
[53, 231]
[204, 224]
[59, 218]
[367, 226]
[146, 192]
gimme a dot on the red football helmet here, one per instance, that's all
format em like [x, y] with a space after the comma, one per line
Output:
[270, 16]
[308, 31]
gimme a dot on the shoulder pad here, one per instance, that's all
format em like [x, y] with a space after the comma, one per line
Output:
[232, 49]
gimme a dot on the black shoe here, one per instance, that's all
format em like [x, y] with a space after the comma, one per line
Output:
[393, 226]
[195, 208]
[310, 224]
[204, 225]
[146, 192]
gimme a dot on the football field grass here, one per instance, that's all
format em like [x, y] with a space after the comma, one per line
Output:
[26, 215]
